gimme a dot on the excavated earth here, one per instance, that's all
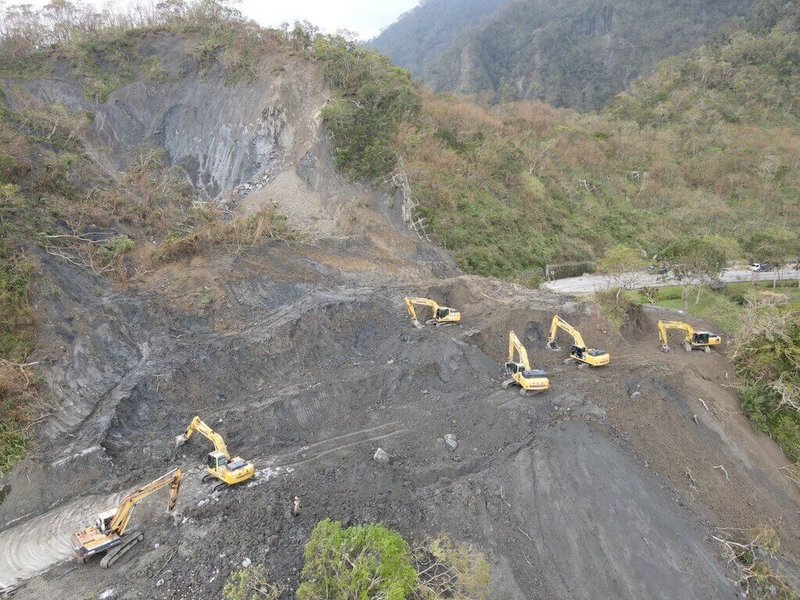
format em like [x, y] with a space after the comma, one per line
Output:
[603, 487]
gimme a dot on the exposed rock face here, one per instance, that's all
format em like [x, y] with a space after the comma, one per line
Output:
[222, 135]
[260, 139]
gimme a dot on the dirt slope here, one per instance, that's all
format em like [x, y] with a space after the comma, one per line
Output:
[305, 360]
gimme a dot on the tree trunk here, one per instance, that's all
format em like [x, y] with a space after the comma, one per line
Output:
[685, 297]
[699, 291]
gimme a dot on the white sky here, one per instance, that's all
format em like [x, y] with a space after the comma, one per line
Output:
[364, 17]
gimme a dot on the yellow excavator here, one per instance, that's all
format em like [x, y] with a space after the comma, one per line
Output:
[108, 533]
[701, 340]
[528, 380]
[442, 315]
[579, 351]
[219, 464]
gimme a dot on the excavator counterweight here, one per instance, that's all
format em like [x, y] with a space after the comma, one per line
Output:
[579, 352]
[219, 464]
[699, 340]
[108, 533]
[441, 315]
[528, 379]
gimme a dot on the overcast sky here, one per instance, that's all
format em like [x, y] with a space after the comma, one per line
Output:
[364, 17]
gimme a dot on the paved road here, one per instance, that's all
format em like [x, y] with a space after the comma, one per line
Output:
[588, 284]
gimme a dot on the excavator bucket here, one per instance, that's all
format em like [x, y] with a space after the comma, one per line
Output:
[553, 346]
[180, 440]
[417, 324]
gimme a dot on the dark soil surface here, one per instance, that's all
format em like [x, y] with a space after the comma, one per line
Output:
[580, 492]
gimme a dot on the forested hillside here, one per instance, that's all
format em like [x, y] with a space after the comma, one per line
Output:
[420, 36]
[575, 53]
[706, 146]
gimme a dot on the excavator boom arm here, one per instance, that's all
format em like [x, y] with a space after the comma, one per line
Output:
[199, 426]
[412, 302]
[516, 347]
[663, 326]
[559, 323]
[123, 514]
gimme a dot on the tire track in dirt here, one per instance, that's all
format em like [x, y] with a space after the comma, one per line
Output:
[281, 460]
[37, 545]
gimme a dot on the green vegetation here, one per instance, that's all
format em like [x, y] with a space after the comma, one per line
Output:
[725, 307]
[450, 570]
[767, 359]
[511, 189]
[251, 584]
[105, 49]
[37, 156]
[368, 561]
[714, 306]
[374, 98]
[664, 170]
[423, 34]
[371, 561]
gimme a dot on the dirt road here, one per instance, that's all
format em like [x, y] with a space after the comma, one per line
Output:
[589, 284]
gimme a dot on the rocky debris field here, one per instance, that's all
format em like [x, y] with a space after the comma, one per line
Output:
[579, 492]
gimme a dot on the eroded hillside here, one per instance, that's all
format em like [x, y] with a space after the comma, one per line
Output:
[264, 291]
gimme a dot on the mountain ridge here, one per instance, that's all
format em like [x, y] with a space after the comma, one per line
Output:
[574, 53]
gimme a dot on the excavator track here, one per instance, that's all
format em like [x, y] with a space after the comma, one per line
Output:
[117, 552]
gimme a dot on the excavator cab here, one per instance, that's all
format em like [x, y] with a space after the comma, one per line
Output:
[706, 338]
[216, 460]
[103, 521]
[519, 369]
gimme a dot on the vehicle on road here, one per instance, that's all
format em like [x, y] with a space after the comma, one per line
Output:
[759, 267]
